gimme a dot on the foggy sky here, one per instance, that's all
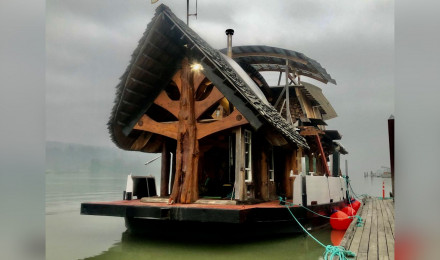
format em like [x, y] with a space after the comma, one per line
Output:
[89, 44]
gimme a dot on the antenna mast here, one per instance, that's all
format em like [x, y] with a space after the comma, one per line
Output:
[188, 14]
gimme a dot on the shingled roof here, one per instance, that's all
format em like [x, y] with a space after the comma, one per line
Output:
[163, 45]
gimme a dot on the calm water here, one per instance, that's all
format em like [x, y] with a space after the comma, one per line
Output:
[70, 235]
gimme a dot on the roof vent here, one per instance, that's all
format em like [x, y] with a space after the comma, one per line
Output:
[229, 33]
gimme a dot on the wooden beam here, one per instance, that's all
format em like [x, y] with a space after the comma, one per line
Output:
[141, 141]
[149, 125]
[203, 105]
[234, 119]
[164, 101]
[323, 157]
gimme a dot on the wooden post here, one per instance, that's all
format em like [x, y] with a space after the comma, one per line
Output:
[264, 176]
[391, 144]
[288, 168]
[165, 170]
[185, 188]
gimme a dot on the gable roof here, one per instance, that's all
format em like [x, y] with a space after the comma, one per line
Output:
[155, 60]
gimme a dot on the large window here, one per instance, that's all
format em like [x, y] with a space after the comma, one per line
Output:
[247, 156]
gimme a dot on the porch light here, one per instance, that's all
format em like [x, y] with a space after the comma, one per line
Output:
[196, 67]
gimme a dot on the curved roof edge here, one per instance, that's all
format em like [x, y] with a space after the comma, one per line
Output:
[269, 58]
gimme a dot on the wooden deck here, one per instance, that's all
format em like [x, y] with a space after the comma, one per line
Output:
[375, 239]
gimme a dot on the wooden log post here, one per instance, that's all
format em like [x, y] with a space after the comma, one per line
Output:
[185, 188]
[165, 171]
[264, 188]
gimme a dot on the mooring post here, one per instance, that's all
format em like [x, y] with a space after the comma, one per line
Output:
[347, 193]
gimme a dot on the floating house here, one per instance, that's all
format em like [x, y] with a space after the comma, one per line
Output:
[226, 136]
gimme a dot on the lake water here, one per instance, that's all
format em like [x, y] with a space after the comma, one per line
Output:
[70, 235]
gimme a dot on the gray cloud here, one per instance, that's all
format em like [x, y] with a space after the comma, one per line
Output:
[89, 44]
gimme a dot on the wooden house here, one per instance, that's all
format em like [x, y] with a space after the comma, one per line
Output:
[223, 132]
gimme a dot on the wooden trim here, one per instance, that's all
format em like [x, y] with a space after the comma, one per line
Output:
[149, 125]
[234, 119]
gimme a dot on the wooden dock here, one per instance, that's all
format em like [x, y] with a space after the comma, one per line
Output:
[375, 239]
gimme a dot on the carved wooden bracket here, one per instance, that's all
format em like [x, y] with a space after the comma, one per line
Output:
[168, 129]
[234, 119]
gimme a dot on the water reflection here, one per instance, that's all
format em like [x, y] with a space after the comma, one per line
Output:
[296, 246]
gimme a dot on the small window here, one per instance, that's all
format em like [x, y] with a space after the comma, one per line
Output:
[271, 166]
[247, 156]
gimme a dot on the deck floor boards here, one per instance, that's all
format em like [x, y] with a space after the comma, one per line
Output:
[375, 239]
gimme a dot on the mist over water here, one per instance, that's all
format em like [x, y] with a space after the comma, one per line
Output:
[70, 235]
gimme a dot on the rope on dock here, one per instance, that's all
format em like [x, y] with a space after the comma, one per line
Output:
[330, 251]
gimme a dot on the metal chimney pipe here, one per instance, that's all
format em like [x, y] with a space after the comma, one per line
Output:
[229, 33]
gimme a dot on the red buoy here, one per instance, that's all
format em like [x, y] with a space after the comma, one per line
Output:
[349, 211]
[356, 205]
[336, 237]
[339, 220]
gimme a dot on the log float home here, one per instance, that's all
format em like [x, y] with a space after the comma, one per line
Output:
[223, 132]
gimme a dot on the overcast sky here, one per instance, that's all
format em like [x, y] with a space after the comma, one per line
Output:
[89, 43]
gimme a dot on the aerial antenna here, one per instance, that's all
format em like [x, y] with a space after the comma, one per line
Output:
[153, 160]
[188, 14]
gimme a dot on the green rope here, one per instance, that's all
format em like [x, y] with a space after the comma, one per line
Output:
[316, 213]
[330, 251]
[360, 221]
[338, 251]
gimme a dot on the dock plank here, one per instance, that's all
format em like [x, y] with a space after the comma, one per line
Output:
[354, 245]
[365, 239]
[350, 232]
[372, 244]
[381, 239]
[389, 218]
[375, 240]
[389, 237]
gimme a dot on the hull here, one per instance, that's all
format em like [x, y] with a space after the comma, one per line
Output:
[160, 219]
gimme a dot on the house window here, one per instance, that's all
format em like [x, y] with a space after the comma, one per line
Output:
[271, 166]
[247, 156]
